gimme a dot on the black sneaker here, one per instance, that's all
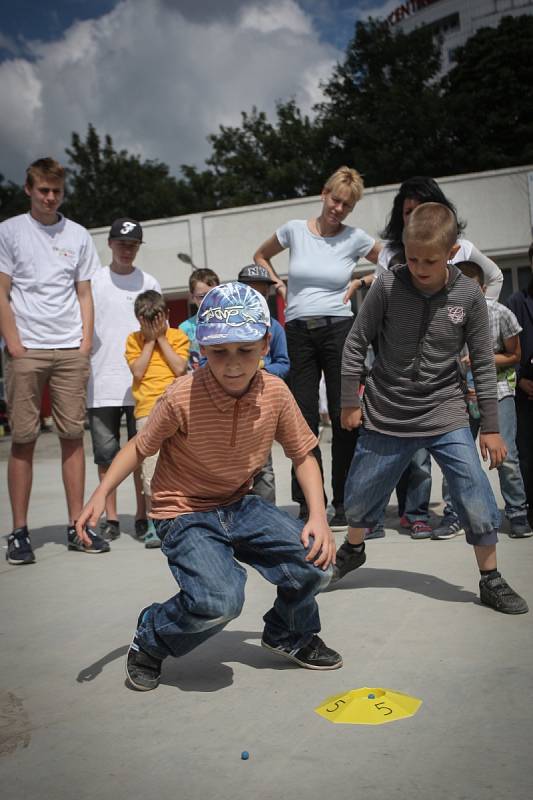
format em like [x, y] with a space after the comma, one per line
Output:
[142, 670]
[496, 593]
[314, 655]
[338, 522]
[19, 549]
[110, 529]
[141, 528]
[98, 545]
[520, 528]
[347, 560]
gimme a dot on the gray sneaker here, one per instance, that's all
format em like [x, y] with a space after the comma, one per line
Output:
[347, 560]
[496, 593]
[520, 528]
[448, 528]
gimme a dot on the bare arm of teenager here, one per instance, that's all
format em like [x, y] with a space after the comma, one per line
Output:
[8, 327]
[140, 365]
[85, 299]
[351, 418]
[262, 256]
[323, 549]
[512, 355]
[125, 462]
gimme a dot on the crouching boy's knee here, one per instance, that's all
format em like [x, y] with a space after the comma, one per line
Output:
[217, 608]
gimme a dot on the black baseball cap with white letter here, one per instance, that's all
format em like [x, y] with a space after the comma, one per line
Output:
[126, 228]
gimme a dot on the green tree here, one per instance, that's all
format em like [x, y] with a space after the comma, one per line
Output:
[104, 184]
[490, 97]
[13, 199]
[384, 112]
[261, 161]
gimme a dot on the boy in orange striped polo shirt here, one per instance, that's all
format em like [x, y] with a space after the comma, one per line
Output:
[214, 429]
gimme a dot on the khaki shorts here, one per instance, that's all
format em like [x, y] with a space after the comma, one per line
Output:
[149, 463]
[66, 372]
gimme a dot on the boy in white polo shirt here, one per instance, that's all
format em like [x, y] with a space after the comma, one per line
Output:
[115, 289]
[46, 321]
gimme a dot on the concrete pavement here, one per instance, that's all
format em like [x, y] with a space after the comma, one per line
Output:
[408, 620]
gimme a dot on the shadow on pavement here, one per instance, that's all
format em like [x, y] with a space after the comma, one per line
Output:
[205, 669]
[416, 582]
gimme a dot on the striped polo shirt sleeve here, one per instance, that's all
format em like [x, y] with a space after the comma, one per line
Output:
[163, 422]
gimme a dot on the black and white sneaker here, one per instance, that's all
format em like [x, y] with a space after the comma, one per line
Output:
[314, 655]
[143, 670]
[98, 545]
[494, 591]
[19, 549]
[338, 521]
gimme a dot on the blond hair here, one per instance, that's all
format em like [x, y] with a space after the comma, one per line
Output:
[432, 223]
[44, 168]
[347, 178]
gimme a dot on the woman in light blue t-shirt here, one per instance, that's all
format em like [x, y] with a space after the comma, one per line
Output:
[323, 253]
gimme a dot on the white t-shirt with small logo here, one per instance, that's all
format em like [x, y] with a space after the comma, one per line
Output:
[44, 263]
[114, 296]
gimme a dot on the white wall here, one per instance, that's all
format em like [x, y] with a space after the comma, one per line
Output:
[496, 206]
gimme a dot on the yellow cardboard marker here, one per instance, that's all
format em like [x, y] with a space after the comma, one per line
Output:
[367, 706]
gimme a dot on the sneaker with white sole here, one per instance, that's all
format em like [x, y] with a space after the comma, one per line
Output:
[315, 655]
[97, 544]
[448, 529]
[19, 549]
[143, 670]
[519, 528]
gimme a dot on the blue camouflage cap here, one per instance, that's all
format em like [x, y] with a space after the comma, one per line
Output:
[232, 312]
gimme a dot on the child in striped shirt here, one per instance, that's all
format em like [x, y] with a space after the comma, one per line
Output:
[214, 429]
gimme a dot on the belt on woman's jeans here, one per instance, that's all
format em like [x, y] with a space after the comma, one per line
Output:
[317, 322]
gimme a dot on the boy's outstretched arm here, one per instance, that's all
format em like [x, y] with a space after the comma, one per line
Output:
[323, 549]
[124, 463]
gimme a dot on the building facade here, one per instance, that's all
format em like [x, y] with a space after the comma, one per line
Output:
[497, 207]
[455, 20]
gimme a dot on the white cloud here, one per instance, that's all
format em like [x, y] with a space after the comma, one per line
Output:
[158, 81]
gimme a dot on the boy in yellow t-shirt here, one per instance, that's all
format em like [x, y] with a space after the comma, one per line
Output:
[156, 356]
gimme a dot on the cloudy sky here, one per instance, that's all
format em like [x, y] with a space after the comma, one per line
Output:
[159, 75]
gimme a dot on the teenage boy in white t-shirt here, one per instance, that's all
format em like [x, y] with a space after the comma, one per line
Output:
[115, 289]
[46, 321]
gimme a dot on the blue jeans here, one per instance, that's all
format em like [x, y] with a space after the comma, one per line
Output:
[379, 461]
[202, 548]
[511, 483]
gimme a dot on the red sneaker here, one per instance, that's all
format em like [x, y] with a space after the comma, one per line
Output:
[421, 530]
[406, 523]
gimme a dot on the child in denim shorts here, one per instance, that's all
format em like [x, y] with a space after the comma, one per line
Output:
[214, 429]
[423, 313]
